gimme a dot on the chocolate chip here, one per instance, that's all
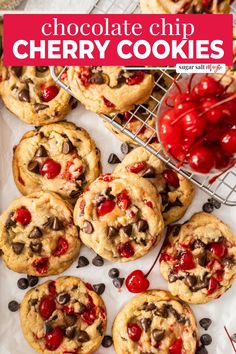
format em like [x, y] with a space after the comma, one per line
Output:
[41, 152]
[112, 232]
[118, 282]
[215, 203]
[201, 350]
[107, 341]
[57, 224]
[228, 261]
[175, 230]
[150, 307]
[10, 222]
[198, 244]
[75, 193]
[83, 337]
[99, 288]
[202, 259]
[190, 280]
[40, 107]
[125, 148]
[63, 298]
[35, 233]
[42, 69]
[233, 337]
[33, 302]
[208, 208]
[113, 159]
[201, 284]
[97, 79]
[24, 95]
[162, 312]
[206, 339]
[22, 283]
[33, 166]
[82, 262]
[98, 261]
[128, 229]
[13, 306]
[70, 320]
[82, 308]
[205, 323]
[158, 334]
[172, 277]
[70, 332]
[142, 225]
[88, 227]
[149, 173]
[17, 70]
[36, 247]
[18, 247]
[114, 273]
[145, 323]
[67, 147]
[33, 280]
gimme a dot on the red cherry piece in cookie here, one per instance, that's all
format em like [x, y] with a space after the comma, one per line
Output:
[105, 207]
[148, 203]
[186, 261]
[218, 249]
[49, 93]
[171, 178]
[213, 286]
[134, 332]
[136, 282]
[202, 159]
[165, 257]
[89, 316]
[41, 265]
[46, 307]
[52, 288]
[50, 169]
[54, 338]
[84, 76]
[123, 200]
[62, 247]
[176, 347]
[136, 78]
[228, 141]
[106, 178]
[108, 103]
[68, 310]
[137, 167]
[125, 250]
[23, 216]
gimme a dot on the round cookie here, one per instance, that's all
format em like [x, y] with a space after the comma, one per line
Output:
[119, 217]
[142, 120]
[110, 89]
[184, 6]
[58, 157]
[32, 95]
[176, 191]
[199, 260]
[37, 235]
[155, 322]
[63, 316]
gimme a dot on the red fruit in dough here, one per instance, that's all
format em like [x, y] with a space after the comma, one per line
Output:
[23, 216]
[134, 332]
[105, 207]
[54, 339]
[46, 307]
[50, 169]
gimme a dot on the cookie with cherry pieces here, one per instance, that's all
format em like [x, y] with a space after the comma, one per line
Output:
[199, 260]
[32, 95]
[59, 157]
[63, 316]
[155, 322]
[185, 6]
[176, 191]
[37, 235]
[110, 89]
[119, 217]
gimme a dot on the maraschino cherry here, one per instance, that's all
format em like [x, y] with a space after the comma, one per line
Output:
[50, 169]
[136, 282]
[23, 216]
[54, 338]
[46, 307]
[134, 332]
[49, 93]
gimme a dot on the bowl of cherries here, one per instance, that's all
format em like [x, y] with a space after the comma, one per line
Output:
[196, 124]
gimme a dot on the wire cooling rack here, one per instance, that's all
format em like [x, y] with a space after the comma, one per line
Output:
[144, 116]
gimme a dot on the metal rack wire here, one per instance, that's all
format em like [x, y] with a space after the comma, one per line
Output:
[144, 116]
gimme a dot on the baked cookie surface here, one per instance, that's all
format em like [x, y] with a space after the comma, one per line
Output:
[32, 95]
[58, 157]
[176, 191]
[155, 322]
[119, 217]
[63, 316]
[37, 235]
[199, 261]
[184, 6]
[110, 89]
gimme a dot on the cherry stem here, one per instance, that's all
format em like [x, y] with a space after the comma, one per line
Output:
[157, 257]
[182, 115]
[222, 76]
[228, 86]
[219, 104]
[232, 343]
[177, 85]
[190, 82]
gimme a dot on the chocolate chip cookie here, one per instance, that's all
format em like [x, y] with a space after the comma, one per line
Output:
[63, 316]
[32, 95]
[58, 157]
[110, 89]
[199, 260]
[155, 322]
[176, 191]
[119, 217]
[185, 6]
[37, 235]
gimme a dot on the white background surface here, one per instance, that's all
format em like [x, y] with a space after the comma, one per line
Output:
[221, 311]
